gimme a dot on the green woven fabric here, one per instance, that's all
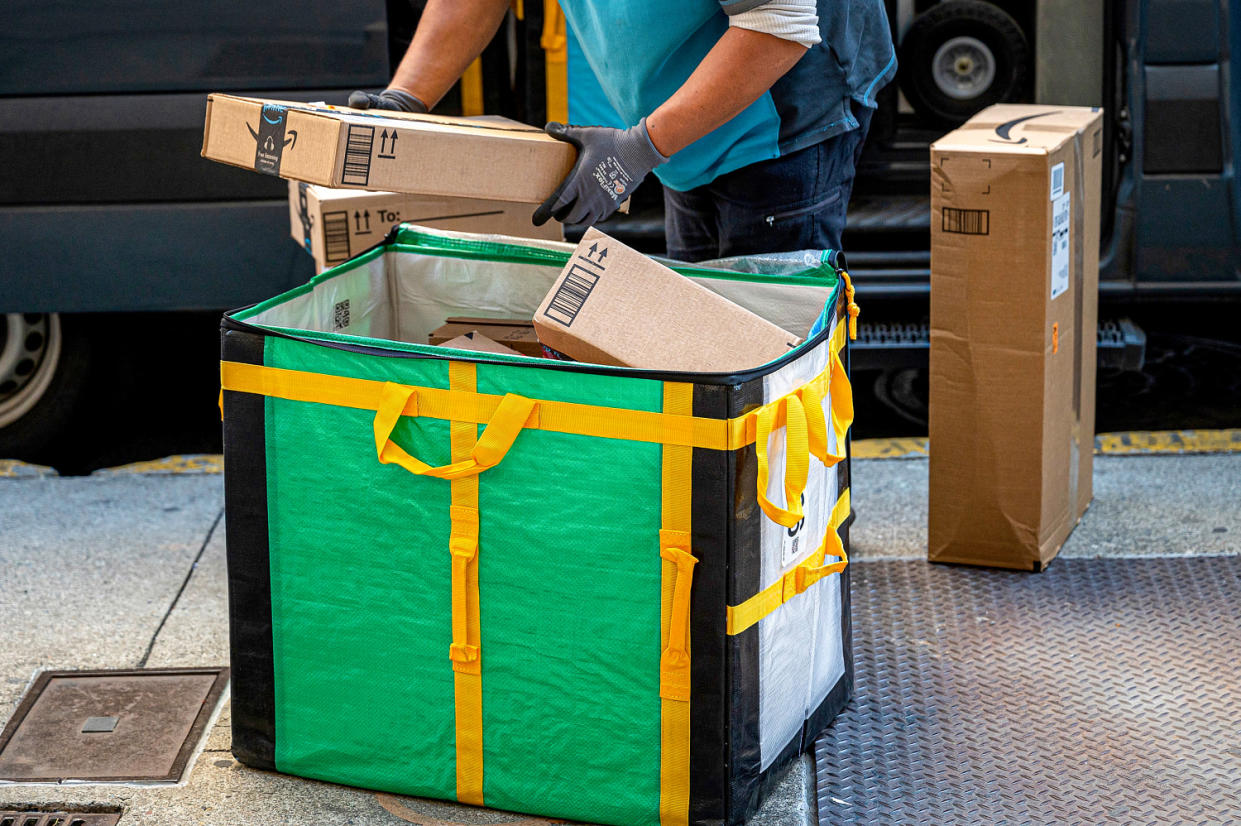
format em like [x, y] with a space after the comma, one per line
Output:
[569, 578]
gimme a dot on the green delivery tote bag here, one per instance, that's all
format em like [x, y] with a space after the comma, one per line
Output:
[594, 593]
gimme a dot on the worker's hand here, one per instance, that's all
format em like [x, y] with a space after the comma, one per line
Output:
[610, 165]
[393, 100]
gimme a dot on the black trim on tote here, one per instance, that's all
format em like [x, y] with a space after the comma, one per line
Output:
[744, 581]
[249, 570]
[710, 519]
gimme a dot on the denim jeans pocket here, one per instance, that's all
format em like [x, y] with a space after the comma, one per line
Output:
[772, 218]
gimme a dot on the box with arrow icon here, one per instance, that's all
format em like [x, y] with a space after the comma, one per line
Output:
[488, 158]
[336, 224]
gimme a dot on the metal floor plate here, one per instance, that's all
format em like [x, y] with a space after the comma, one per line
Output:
[109, 725]
[1100, 691]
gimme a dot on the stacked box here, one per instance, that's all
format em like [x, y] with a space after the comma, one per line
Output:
[587, 592]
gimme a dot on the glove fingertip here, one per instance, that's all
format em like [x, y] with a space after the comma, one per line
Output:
[359, 100]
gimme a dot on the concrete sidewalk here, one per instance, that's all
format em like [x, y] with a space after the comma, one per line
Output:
[123, 570]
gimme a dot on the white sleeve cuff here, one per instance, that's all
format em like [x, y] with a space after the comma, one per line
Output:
[795, 20]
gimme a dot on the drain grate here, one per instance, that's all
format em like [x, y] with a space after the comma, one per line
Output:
[109, 726]
[59, 818]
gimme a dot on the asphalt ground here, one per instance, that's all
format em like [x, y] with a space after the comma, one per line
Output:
[125, 568]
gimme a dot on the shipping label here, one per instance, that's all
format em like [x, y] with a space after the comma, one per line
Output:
[1060, 225]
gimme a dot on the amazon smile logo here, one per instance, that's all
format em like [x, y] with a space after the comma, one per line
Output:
[1004, 130]
[271, 138]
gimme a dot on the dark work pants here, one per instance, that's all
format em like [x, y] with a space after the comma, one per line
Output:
[794, 202]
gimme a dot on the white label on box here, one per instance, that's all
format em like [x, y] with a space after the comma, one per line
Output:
[1057, 180]
[1060, 224]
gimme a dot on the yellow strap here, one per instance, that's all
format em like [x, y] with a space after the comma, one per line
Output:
[677, 563]
[797, 581]
[472, 89]
[466, 649]
[510, 416]
[554, 416]
[853, 309]
[555, 43]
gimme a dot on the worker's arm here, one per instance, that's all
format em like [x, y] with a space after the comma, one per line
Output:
[736, 72]
[450, 34]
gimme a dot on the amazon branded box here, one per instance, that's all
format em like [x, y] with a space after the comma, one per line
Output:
[613, 305]
[336, 224]
[1014, 300]
[488, 158]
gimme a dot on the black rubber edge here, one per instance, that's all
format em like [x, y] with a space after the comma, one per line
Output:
[249, 564]
[710, 518]
[745, 575]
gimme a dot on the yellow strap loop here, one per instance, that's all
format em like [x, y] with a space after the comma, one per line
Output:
[841, 390]
[674, 661]
[853, 309]
[396, 400]
[789, 411]
[799, 579]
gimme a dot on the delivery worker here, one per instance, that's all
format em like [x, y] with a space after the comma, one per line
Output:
[751, 112]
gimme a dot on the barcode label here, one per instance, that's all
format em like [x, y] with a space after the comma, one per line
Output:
[1057, 180]
[359, 144]
[571, 295]
[340, 315]
[335, 236]
[967, 221]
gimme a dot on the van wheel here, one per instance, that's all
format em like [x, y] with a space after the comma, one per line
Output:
[961, 56]
[44, 366]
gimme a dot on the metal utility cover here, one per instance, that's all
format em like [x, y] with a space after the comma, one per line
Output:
[56, 733]
[28, 818]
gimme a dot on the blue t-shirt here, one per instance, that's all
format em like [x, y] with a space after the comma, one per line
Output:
[626, 57]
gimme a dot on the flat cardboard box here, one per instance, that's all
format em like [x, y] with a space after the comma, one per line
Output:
[613, 305]
[337, 224]
[517, 334]
[486, 158]
[476, 342]
[1015, 196]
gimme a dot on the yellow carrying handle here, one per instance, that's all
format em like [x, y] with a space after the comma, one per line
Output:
[512, 414]
[801, 415]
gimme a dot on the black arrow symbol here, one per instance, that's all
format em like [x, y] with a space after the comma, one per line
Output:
[383, 141]
[593, 248]
[603, 253]
[394, 141]
[367, 216]
[357, 221]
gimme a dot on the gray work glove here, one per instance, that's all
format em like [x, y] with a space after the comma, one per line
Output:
[610, 165]
[394, 100]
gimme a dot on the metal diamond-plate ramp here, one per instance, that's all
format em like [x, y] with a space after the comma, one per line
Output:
[1101, 691]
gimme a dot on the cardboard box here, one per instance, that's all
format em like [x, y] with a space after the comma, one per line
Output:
[614, 305]
[333, 146]
[516, 333]
[336, 224]
[1014, 305]
[476, 342]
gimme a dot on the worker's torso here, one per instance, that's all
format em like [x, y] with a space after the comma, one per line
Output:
[638, 52]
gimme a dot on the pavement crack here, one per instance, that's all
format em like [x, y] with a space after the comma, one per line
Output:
[184, 584]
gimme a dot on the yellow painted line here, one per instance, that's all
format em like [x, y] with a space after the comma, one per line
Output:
[1129, 443]
[906, 448]
[206, 463]
[13, 469]
[1146, 442]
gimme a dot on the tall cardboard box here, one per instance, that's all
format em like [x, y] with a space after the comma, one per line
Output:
[1014, 301]
[336, 224]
